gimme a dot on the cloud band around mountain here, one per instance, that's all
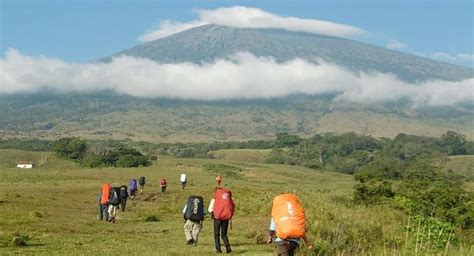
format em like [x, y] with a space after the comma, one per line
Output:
[242, 76]
[245, 17]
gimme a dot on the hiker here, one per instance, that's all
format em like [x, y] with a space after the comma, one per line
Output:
[114, 202]
[104, 201]
[218, 180]
[193, 214]
[287, 225]
[141, 181]
[133, 188]
[123, 197]
[222, 210]
[163, 185]
[183, 180]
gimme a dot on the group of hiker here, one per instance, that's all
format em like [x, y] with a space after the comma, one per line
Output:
[111, 199]
[287, 224]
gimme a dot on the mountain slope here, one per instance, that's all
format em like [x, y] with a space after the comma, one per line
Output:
[109, 116]
[208, 42]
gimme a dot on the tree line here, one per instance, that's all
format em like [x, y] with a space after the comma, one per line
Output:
[97, 155]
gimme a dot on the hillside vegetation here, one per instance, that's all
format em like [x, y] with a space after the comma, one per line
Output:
[109, 116]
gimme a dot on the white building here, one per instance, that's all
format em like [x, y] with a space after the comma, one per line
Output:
[25, 165]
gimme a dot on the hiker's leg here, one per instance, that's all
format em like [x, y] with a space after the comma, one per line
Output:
[124, 202]
[188, 230]
[106, 210]
[114, 212]
[292, 248]
[217, 230]
[196, 229]
[101, 215]
[282, 248]
[224, 228]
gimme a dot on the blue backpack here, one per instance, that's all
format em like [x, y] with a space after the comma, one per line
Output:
[133, 184]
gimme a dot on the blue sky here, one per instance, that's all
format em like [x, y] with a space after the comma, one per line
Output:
[86, 30]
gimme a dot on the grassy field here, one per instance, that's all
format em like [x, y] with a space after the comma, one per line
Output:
[55, 206]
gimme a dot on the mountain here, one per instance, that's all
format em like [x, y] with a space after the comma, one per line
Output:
[107, 115]
[209, 42]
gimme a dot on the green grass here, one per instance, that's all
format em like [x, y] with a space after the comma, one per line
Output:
[54, 210]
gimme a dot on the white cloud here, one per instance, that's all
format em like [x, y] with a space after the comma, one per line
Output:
[243, 76]
[245, 17]
[466, 57]
[396, 45]
[443, 56]
[460, 57]
[167, 28]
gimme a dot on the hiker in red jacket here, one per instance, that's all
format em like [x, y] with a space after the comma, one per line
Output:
[222, 210]
[163, 185]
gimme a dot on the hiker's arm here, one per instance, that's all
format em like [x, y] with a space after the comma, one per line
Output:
[271, 231]
[271, 234]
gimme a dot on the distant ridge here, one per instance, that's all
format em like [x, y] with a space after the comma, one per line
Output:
[209, 42]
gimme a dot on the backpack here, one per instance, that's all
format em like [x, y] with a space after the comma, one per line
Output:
[163, 182]
[123, 192]
[288, 216]
[223, 204]
[142, 181]
[115, 196]
[105, 193]
[194, 208]
[133, 184]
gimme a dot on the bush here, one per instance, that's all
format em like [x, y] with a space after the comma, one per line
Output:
[373, 192]
[20, 240]
[151, 218]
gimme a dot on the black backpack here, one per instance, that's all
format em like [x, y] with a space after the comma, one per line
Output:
[114, 198]
[142, 181]
[123, 192]
[194, 208]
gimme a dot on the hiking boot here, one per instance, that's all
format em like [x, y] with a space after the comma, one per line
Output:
[218, 251]
[228, 249]
[190, 242]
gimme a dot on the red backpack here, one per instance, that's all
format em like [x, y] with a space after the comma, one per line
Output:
[163, 182]
[223, 204]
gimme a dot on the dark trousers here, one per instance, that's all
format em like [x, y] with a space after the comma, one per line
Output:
[220, 230]
[286, 248]
[123, 203]
[163, 189]
[183, 184]
[103, 208]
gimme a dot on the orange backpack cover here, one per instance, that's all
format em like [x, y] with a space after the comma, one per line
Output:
[288, 215]
[105, 193]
